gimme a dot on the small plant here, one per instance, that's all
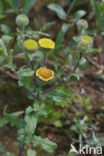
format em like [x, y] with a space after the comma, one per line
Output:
[41, 80]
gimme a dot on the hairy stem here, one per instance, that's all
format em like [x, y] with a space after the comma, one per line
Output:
[29, 65]
[31, 93]
[44, 60]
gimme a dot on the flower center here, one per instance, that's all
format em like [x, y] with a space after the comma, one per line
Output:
[44, 72]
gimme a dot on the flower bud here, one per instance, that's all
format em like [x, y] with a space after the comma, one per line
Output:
[22, 20]
[82, 24]
[85, 42]
[6, 39]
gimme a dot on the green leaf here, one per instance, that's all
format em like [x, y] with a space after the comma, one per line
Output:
[28, 5]
[69, 58]
[74, 76]
[82, 61]
[76, 39]
[58, 123]
[57, 96]
[26, 82]
[1, 59]
[2, 16]
[5, 29]
[47, 26]
[12, 119]
[1, 8]
[79, 14]
[3, 122]
[95, 50]
[3, 48]
[10, 154]
[10, 56]
[31, 123]
[37, 54]
[59, 10]
[97, 13]
[2, 148]
[31, 152]
[45, 144]
[60, 37]
[25, 72]
[12, 5]
[92, 51]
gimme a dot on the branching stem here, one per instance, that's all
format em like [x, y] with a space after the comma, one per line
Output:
[62, 81]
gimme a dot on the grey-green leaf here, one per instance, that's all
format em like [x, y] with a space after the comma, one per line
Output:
[83, 60]
[26, 72]
[31, 152]
[61, 34]
[98, 14]
[45, 144]
[79, 14]
[28, 5]
[59, 10]
[31, 123]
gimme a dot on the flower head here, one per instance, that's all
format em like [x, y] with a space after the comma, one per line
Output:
[86, 38]
[45, 74]
[82, 24]
[22, 20]
[30, 44]
[47, 43]
[85, 42]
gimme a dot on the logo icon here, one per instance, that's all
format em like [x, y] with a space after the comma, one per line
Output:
[86, 150]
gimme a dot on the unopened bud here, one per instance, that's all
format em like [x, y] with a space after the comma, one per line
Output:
[82, 24]
[22, 20]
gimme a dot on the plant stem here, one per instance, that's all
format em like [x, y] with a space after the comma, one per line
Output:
[31, 93]
[29, 65]
[44, 60]
[62, 81]
[99, 53]
[21, 149]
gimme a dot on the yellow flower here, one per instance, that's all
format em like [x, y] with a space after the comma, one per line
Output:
[86, 38]
[45, 74]
[30, 44]
[47, 43]
[85, 42]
